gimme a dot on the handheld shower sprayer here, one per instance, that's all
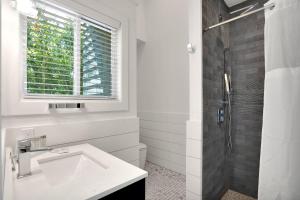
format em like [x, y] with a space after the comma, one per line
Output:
[227, 83]
[228, 93]
[224, 112]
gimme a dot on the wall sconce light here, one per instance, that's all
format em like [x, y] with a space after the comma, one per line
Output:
[25, 7]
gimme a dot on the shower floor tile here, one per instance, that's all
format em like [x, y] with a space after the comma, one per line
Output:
[164, 184]
[232, 195]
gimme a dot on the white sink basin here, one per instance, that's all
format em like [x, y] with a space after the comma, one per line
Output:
[63, 169]
[83, 172]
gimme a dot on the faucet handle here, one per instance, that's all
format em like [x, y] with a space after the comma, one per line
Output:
[24, 145]
[32, 144]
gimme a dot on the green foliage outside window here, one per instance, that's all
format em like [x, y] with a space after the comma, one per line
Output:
[50, 57]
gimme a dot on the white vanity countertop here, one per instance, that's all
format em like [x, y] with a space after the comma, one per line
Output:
[93, 175]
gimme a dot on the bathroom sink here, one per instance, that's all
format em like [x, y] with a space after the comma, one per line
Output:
[74, 173]
[63, 169]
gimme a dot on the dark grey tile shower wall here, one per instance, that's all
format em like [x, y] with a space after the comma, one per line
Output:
[215, 175]
[245, 38]
[247, 70]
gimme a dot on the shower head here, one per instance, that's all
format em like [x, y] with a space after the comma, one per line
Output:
[227, 83]
[244, 9]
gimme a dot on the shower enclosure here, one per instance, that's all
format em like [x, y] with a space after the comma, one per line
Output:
[233, 91]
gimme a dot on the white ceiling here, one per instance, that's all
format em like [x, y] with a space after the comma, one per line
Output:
[231, 3]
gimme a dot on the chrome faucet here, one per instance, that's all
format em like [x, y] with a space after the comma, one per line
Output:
[24, 147]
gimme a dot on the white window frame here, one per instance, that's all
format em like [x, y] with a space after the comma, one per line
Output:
[33, 106]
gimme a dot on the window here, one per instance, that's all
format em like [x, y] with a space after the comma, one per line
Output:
[70, 55]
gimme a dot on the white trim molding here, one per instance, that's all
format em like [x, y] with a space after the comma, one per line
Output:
[194, 146]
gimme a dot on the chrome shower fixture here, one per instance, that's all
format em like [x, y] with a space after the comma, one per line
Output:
[228, 97]
[227, 83]
[244, 9]
[246, 13]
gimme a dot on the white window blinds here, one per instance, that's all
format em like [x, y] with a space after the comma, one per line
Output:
[69, 55]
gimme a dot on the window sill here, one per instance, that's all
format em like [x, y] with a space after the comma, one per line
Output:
[41, 107]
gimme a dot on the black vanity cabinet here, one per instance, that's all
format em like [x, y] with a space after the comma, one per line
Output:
[135, 191]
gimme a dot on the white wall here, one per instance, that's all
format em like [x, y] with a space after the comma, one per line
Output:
[140, 20]
[195, 123]
[117, 136]
[1, 138]
[163, 90]
[115, 132]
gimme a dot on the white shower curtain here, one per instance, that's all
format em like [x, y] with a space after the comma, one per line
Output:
[279, 177]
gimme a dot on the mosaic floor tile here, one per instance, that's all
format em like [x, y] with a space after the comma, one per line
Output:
[164, 184]
[232, 195]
